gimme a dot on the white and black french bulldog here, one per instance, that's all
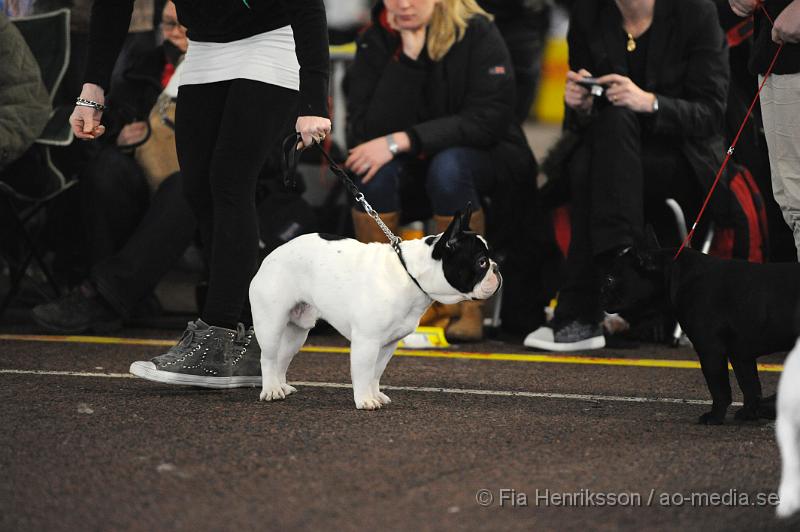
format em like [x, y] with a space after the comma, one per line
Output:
[787, 430]
[366, 293]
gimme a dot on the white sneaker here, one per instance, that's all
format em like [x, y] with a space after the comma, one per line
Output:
[573, 336]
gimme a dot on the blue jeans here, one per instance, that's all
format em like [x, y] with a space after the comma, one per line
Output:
[452, 177]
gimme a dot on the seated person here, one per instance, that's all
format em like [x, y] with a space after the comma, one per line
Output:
[134, 157]
[656, 132]
[430, 100]
[24, 110]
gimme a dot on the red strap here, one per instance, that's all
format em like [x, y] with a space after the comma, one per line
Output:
[688, 238]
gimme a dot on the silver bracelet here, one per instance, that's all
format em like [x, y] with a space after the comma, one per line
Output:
[80, 102]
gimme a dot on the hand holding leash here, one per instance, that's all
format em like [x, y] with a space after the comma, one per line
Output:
[312, 129]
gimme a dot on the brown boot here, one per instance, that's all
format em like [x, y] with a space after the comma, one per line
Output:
[367, 230]
[469, 325]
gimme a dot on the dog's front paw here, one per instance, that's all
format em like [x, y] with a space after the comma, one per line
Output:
[383, 398]
[369, 403]
[276, 392]
[710, 418]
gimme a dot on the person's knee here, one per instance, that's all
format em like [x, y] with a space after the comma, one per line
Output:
[449, 172]
[382, 190]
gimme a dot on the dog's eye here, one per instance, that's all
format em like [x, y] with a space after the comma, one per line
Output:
[483, 263]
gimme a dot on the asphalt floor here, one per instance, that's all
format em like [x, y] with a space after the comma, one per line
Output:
[490, 436]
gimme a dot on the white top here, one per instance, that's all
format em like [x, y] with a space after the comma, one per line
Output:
[268, 57]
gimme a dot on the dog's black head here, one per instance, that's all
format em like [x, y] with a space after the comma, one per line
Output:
[466, 262]
[634, 282]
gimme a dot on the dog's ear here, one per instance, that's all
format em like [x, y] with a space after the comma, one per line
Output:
[447, 241]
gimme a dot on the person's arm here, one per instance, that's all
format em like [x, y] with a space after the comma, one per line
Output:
[578, 101]
[743, 8]
[700, 110]
[107, 30]
[310, 30]
[24, 102]
[488, 105]
[787, 24]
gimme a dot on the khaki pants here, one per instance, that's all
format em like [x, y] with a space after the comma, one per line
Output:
[780, 107]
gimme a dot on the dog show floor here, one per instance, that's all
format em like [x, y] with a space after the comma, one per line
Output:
[481, 437]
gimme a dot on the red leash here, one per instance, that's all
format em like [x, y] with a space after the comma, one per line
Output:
[688, 238]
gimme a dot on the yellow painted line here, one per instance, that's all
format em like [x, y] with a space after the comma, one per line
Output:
[509, 357]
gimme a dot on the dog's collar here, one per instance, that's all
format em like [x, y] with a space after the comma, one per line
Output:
[399, 251]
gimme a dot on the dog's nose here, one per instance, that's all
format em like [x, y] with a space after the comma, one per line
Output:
[495, 268]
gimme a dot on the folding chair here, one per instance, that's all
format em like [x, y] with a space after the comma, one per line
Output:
[47, 35]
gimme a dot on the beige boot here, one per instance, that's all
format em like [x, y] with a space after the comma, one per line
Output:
[469, 324]
[367, 230]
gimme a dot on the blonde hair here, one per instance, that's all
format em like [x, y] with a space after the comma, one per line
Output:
[449, 24]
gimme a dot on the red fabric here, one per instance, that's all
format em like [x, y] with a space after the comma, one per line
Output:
[166, 74]
[562, 229]
[740, 33]
[722, 245]
[760, 207]
[742, 192]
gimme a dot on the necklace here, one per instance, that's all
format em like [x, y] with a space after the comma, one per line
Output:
[631, 46]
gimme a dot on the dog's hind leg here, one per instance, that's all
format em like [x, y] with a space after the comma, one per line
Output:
[292, 340]
[269, 326]
[787, 430]
[384, 356]
[715, 370]
[364, 355]
[746, 372]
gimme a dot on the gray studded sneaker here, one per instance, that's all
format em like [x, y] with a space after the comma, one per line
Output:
[570, 336]
[207, 356]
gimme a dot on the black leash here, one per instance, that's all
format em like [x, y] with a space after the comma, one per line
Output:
[289, 162]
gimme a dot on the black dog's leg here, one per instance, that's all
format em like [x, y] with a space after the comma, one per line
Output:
[746, 373]
[715, 370]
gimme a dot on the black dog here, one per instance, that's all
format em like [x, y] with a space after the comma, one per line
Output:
[730, 310]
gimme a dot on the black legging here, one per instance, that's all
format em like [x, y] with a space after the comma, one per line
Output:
[224, 134]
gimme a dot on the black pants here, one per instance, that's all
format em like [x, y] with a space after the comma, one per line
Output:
[225, 133]
[620, 177]
[163, 234]
[115, 194]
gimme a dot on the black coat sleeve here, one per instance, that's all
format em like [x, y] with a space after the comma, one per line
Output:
[488, 104]
[107, 31]
[383, 91]
[700, 109]
[310, 29]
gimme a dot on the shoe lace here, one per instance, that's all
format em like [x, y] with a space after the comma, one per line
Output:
[188, 341]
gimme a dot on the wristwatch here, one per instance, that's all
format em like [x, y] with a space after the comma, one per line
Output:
[655, 103]
[393, 147]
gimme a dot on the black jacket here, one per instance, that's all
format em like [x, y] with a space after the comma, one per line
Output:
[132, 98]
[465, 99]
[687, 69]
[225, 21]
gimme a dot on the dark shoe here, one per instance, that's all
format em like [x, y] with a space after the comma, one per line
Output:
[79, 311]
[207, 356]
[570, 336]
